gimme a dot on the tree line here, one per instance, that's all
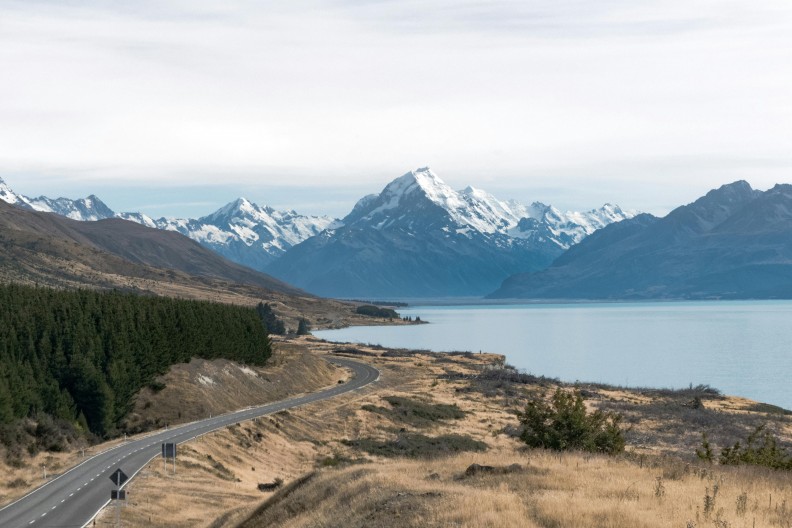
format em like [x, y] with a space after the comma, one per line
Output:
[82, 355]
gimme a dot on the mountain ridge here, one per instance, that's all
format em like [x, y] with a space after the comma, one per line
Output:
[240, 230]
[734, 242]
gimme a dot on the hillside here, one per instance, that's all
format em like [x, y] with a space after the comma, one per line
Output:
[46, 249]
[240, 231]
[397, 454]
[61, 237]
[80, 357]
[733, 243]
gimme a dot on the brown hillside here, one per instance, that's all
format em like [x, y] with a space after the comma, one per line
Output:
[134, 243]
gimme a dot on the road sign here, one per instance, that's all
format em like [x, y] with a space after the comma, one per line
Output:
[118, 477]
[169, 450]
[117, 494]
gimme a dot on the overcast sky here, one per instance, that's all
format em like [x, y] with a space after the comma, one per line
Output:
[176, 107]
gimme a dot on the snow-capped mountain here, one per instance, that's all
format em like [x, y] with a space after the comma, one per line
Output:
[243, 231]
[9, 196]
[240, 231]
[419, 237]
[83, 209]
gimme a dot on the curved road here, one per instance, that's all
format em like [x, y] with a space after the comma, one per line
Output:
[75, 497]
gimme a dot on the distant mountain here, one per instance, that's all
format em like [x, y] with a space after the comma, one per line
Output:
[48, 248]
[733, 243]
[241, 231]
[84, 209]
[420, 238]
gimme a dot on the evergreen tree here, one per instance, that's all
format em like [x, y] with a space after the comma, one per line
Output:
[304, 327]
[81, 356]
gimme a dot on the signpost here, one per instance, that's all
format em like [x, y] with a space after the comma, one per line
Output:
[118, 477]
[169, 451]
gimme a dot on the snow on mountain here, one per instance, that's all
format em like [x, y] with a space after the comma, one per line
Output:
[9, 196]
[84, 209]
[475, 210]
[419, 237]
[241, 230]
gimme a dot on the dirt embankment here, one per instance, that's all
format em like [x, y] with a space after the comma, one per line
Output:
[202, 388]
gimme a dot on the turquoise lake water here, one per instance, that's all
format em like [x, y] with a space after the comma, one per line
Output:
[742, 348]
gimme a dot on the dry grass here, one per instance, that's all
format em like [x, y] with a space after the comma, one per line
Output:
[572, 490]
[290, 372]
[329, 482]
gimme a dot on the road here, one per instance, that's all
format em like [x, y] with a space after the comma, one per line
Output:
[74, 498]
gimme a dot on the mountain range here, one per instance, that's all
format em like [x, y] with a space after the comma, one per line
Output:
[733, 243]
[418, 237]
[421, 238]
[240, 231]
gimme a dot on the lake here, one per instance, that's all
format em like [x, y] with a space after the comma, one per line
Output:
[742, 347]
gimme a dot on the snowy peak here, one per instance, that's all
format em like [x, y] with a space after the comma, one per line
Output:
[83, 209]
[9, 196]
[241, 230]
[90, 208]
[404, 201]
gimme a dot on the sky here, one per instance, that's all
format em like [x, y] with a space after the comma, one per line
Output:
[175, 107]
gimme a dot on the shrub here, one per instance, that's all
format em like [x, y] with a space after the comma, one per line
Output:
[563, 423]
[765, 453]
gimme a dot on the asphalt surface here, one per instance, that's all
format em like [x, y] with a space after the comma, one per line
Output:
[74, 498]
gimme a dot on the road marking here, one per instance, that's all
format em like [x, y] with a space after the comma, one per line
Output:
[71, 494]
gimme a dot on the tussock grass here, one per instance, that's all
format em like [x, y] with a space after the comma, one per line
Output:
[567, 490]
[329, 481]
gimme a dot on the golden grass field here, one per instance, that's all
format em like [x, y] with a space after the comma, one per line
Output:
[329, 483]
[331, 480]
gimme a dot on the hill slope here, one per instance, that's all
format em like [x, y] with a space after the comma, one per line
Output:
[734, 243]
[240, 231]
[113, 246]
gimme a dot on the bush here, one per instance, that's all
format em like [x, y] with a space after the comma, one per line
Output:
[564, 424]
[761, 449]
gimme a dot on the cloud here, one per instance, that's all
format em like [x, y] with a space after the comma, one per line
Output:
[587, 96]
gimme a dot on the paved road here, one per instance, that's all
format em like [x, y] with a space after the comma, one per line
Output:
[74, 498]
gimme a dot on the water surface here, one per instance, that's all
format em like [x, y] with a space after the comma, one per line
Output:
[742, 347]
